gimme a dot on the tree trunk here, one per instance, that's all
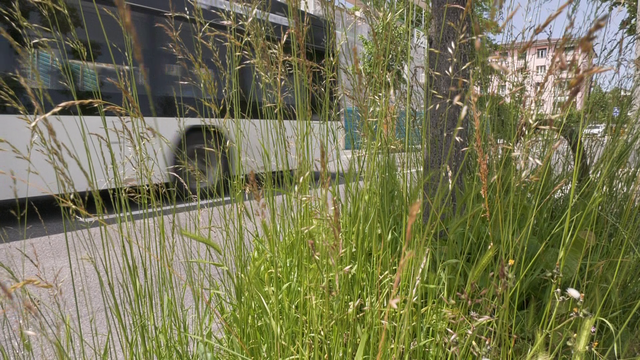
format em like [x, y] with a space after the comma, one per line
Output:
[446, 134]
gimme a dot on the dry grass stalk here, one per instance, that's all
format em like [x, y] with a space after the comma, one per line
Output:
[127, 22]
[336, 226]
[30, 281]
[540, 28]
[6, 290]
[508, 19]
[482, 157]
[413, 214]
[66, 105]
[325, 180]
[253, 188]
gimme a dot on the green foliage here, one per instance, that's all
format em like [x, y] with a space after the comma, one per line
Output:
[383, 58]
[502, 117]
[600, 105]
[485, 19]
[628, 24]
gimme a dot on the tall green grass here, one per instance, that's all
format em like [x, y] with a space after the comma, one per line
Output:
[540, 261]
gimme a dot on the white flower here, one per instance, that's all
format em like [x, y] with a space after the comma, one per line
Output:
[573, 293]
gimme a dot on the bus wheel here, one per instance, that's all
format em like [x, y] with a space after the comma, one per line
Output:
[202, 165]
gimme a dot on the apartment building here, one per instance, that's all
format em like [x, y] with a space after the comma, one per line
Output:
[542, 72]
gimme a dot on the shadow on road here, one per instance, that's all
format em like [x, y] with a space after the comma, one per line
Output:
[47, 215]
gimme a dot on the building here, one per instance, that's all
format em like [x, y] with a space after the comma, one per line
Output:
[542, 72]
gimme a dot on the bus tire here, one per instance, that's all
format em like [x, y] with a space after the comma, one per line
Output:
[202, 165]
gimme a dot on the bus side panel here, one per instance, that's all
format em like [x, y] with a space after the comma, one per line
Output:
[83, 156]
[267, 145]
[270, 145]
[329, 135]
[254, 145]
[69, 153]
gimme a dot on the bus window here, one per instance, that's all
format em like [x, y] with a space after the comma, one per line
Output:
[181, 71]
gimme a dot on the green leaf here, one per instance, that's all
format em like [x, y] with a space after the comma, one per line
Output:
[218, 346]
[573, 256]
[479, 267]
[206, 262]
[363, 343]
[107, 344]
[203, 240]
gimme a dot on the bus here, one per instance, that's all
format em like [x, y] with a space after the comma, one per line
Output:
[165, 92]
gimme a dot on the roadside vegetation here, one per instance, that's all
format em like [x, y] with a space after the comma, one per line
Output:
[538, 259]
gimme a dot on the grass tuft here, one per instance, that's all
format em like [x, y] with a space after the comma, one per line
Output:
[332, 258]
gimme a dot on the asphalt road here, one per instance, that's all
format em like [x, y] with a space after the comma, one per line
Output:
[43, 216]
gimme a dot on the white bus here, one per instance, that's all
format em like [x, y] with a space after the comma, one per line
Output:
[80, 112]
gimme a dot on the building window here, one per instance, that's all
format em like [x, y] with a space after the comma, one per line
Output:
[569, 49]
[502, 89]
[538, 86]
[541, 69]
[542, 53]
[522, 56]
